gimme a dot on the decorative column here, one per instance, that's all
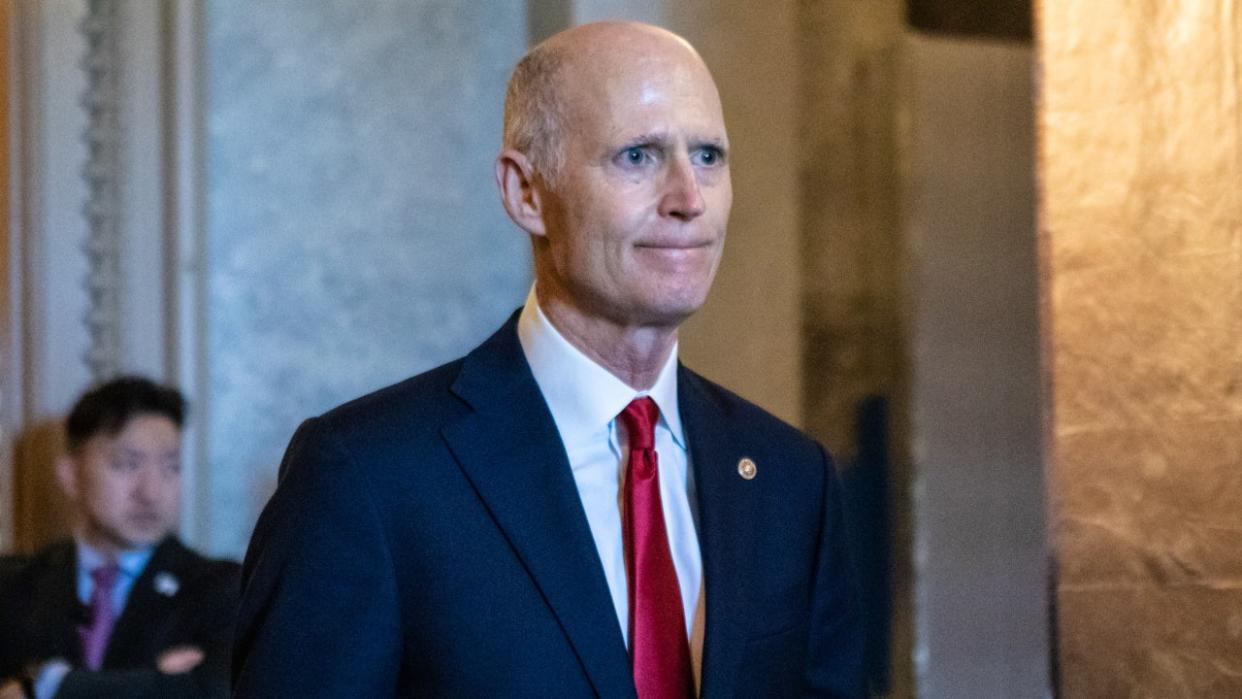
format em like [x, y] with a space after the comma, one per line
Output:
[980, 551]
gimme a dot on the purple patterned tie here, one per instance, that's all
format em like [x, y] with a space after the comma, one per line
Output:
[102, 615]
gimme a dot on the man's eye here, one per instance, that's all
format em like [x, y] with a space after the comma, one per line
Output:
[634, 156]
[710, 156]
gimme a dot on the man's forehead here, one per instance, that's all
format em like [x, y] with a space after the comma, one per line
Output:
[609, 53]
[646, 86]
[138, 428]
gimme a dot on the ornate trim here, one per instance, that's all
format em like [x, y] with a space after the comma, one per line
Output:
[102, 209]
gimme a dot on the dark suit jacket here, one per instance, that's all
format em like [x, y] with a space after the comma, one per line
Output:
[40, 611]
[428, 539]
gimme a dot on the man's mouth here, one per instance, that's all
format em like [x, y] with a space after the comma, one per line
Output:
[144, 519]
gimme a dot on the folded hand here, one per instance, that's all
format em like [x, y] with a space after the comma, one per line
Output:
[174, 660]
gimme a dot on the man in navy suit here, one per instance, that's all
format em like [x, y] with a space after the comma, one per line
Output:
[566, 511]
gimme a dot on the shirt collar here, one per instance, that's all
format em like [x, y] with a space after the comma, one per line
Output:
[131, 561]
[583, 396]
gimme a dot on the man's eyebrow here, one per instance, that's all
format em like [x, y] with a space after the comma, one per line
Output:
[646, 139]
[717, 143]
[657, 138]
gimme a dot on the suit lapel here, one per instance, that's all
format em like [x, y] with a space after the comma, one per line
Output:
[57, 611]
[724, 531]
[510, 450]
[130, 644]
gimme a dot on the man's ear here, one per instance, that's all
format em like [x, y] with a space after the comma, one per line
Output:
[67, 476]
[522, 200]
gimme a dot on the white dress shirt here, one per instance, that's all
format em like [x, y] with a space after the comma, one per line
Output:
[585, 399]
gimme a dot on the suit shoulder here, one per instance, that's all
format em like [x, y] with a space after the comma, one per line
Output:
[194, 566]
[23, 577]
[735, 407]
[58, 555]
[746, 417]
[421, 395]
[380, 426]
[10, 565]
[15, 569]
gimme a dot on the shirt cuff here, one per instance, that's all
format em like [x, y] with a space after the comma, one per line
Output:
[48, 678]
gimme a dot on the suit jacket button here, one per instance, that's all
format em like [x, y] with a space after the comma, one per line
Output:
[746, 468]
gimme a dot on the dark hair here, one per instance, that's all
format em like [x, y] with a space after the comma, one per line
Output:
[107, 408]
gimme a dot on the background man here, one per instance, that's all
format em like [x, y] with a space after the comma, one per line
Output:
[567, 511]
[123, 609]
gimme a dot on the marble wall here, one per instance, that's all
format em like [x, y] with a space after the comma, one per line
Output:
[1142, 240]
[354, 236]
[354, 233]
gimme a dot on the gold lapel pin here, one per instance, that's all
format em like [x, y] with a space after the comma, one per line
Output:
[746, 468]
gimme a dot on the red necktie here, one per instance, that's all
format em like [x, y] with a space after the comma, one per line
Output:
[658, 648]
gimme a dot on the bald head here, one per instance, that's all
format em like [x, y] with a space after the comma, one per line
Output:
[539, 101]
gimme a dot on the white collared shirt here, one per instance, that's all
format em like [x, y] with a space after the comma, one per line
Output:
[585, 399]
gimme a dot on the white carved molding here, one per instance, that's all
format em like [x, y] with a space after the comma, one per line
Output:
[186, 268]
[103, 171]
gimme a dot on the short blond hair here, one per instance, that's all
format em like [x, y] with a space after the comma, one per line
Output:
[534, 116]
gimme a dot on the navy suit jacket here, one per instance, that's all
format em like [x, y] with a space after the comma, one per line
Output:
[428, 539]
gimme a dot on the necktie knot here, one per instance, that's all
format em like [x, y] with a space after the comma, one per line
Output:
[105, 576]
[640, 417]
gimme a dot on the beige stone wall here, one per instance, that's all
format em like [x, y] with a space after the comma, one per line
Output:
[1140, 162]
[747, 335]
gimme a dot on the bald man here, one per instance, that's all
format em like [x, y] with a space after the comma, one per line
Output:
[567, 511]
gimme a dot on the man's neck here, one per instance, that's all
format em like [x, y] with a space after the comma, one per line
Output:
[634, 354]
[105, 546]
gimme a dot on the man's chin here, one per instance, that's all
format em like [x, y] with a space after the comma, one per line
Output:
[141, 537]
[673, 309]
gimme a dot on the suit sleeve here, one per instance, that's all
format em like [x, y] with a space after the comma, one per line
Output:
[212, 609]
[11, 659]
[835, 651]
[143, 684]
[319, 614]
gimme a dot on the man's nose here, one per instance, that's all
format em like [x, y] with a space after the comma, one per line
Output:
[147, 489]
[682, 197]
